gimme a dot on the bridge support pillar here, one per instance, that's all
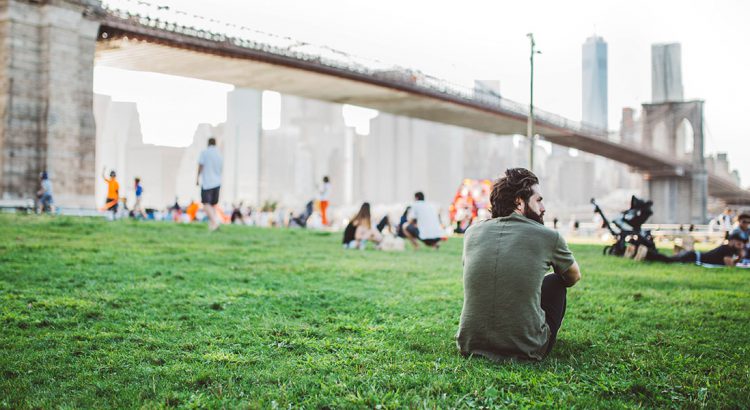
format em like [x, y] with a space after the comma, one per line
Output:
[242, 147]
[680, 195]
[46, 99]
[679, 199]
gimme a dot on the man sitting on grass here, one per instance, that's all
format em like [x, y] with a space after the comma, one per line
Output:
[512, 307]
[423, 224]
[727, 255]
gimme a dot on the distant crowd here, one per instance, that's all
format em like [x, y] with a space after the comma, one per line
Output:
[419, 223]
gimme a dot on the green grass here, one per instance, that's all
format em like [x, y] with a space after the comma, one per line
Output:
[125, 314]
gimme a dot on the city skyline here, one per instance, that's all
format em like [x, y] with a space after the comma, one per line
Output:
[464, 55]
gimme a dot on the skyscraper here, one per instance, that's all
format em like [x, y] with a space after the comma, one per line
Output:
[666, 72]
[594, 82]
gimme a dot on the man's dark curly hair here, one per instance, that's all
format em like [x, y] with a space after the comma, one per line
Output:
[516, 183]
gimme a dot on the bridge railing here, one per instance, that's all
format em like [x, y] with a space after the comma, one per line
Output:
[179, 22]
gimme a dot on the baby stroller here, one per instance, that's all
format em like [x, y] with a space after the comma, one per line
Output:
[628, 226]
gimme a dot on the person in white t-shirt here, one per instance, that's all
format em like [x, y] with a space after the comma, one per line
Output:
[210, 165]
[325, 193]
[423, 223]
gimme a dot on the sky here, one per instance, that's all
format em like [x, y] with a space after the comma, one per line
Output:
[471, 39]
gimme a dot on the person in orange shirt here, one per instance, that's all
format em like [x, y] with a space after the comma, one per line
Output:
[192, 210]
[113, 192]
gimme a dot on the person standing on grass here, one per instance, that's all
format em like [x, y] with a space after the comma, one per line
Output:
[325, 193]
[138, 207]
[423, 224]
[210, 166]
[513, 308]
[113, 192]
[45, 202]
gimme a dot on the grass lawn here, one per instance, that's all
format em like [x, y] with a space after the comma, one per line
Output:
[126, 314]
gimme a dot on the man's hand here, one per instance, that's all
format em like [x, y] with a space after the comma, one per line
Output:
[730, 261]
[572, 275]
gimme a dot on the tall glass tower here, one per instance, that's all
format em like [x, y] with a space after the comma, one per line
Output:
[594, 82]
[666, 72]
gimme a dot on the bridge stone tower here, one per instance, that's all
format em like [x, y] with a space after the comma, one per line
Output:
[680, 194]
[46, 98]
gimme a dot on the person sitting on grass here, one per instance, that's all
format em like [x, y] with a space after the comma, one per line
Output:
[513, 308]
[726, 255]
[743, 225]
[423, 224]
[360, 230]
[402, 223]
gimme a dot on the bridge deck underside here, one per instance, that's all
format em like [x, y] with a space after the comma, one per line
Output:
[144, 56]
[131, 54]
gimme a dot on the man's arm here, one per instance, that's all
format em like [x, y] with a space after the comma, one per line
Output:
[731, 260]
[198, 177]
[572, 275]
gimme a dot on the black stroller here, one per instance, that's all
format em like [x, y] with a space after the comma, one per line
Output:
[627, 227]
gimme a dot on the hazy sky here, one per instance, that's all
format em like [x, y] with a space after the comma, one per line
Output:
[467, 40]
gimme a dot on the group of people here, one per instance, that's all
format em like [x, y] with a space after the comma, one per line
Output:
[209, 175]
[420, 222]
[114, 198]
[513, 308]
[516, 271]
[210, 164]
[45, 202]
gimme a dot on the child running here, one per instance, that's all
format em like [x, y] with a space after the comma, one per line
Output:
[113, 192]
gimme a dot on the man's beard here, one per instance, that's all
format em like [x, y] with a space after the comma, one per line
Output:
[529, 213]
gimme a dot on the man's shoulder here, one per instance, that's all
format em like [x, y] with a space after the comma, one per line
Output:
[533, 228]
[475, 227]
[482, 227]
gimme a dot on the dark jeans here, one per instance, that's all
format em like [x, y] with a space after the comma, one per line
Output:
[553, 303]
[383, 224]
[684, 257]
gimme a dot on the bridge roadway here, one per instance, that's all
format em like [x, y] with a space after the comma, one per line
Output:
[143, 43]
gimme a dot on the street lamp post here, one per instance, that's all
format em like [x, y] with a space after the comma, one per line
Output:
[530, 122]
